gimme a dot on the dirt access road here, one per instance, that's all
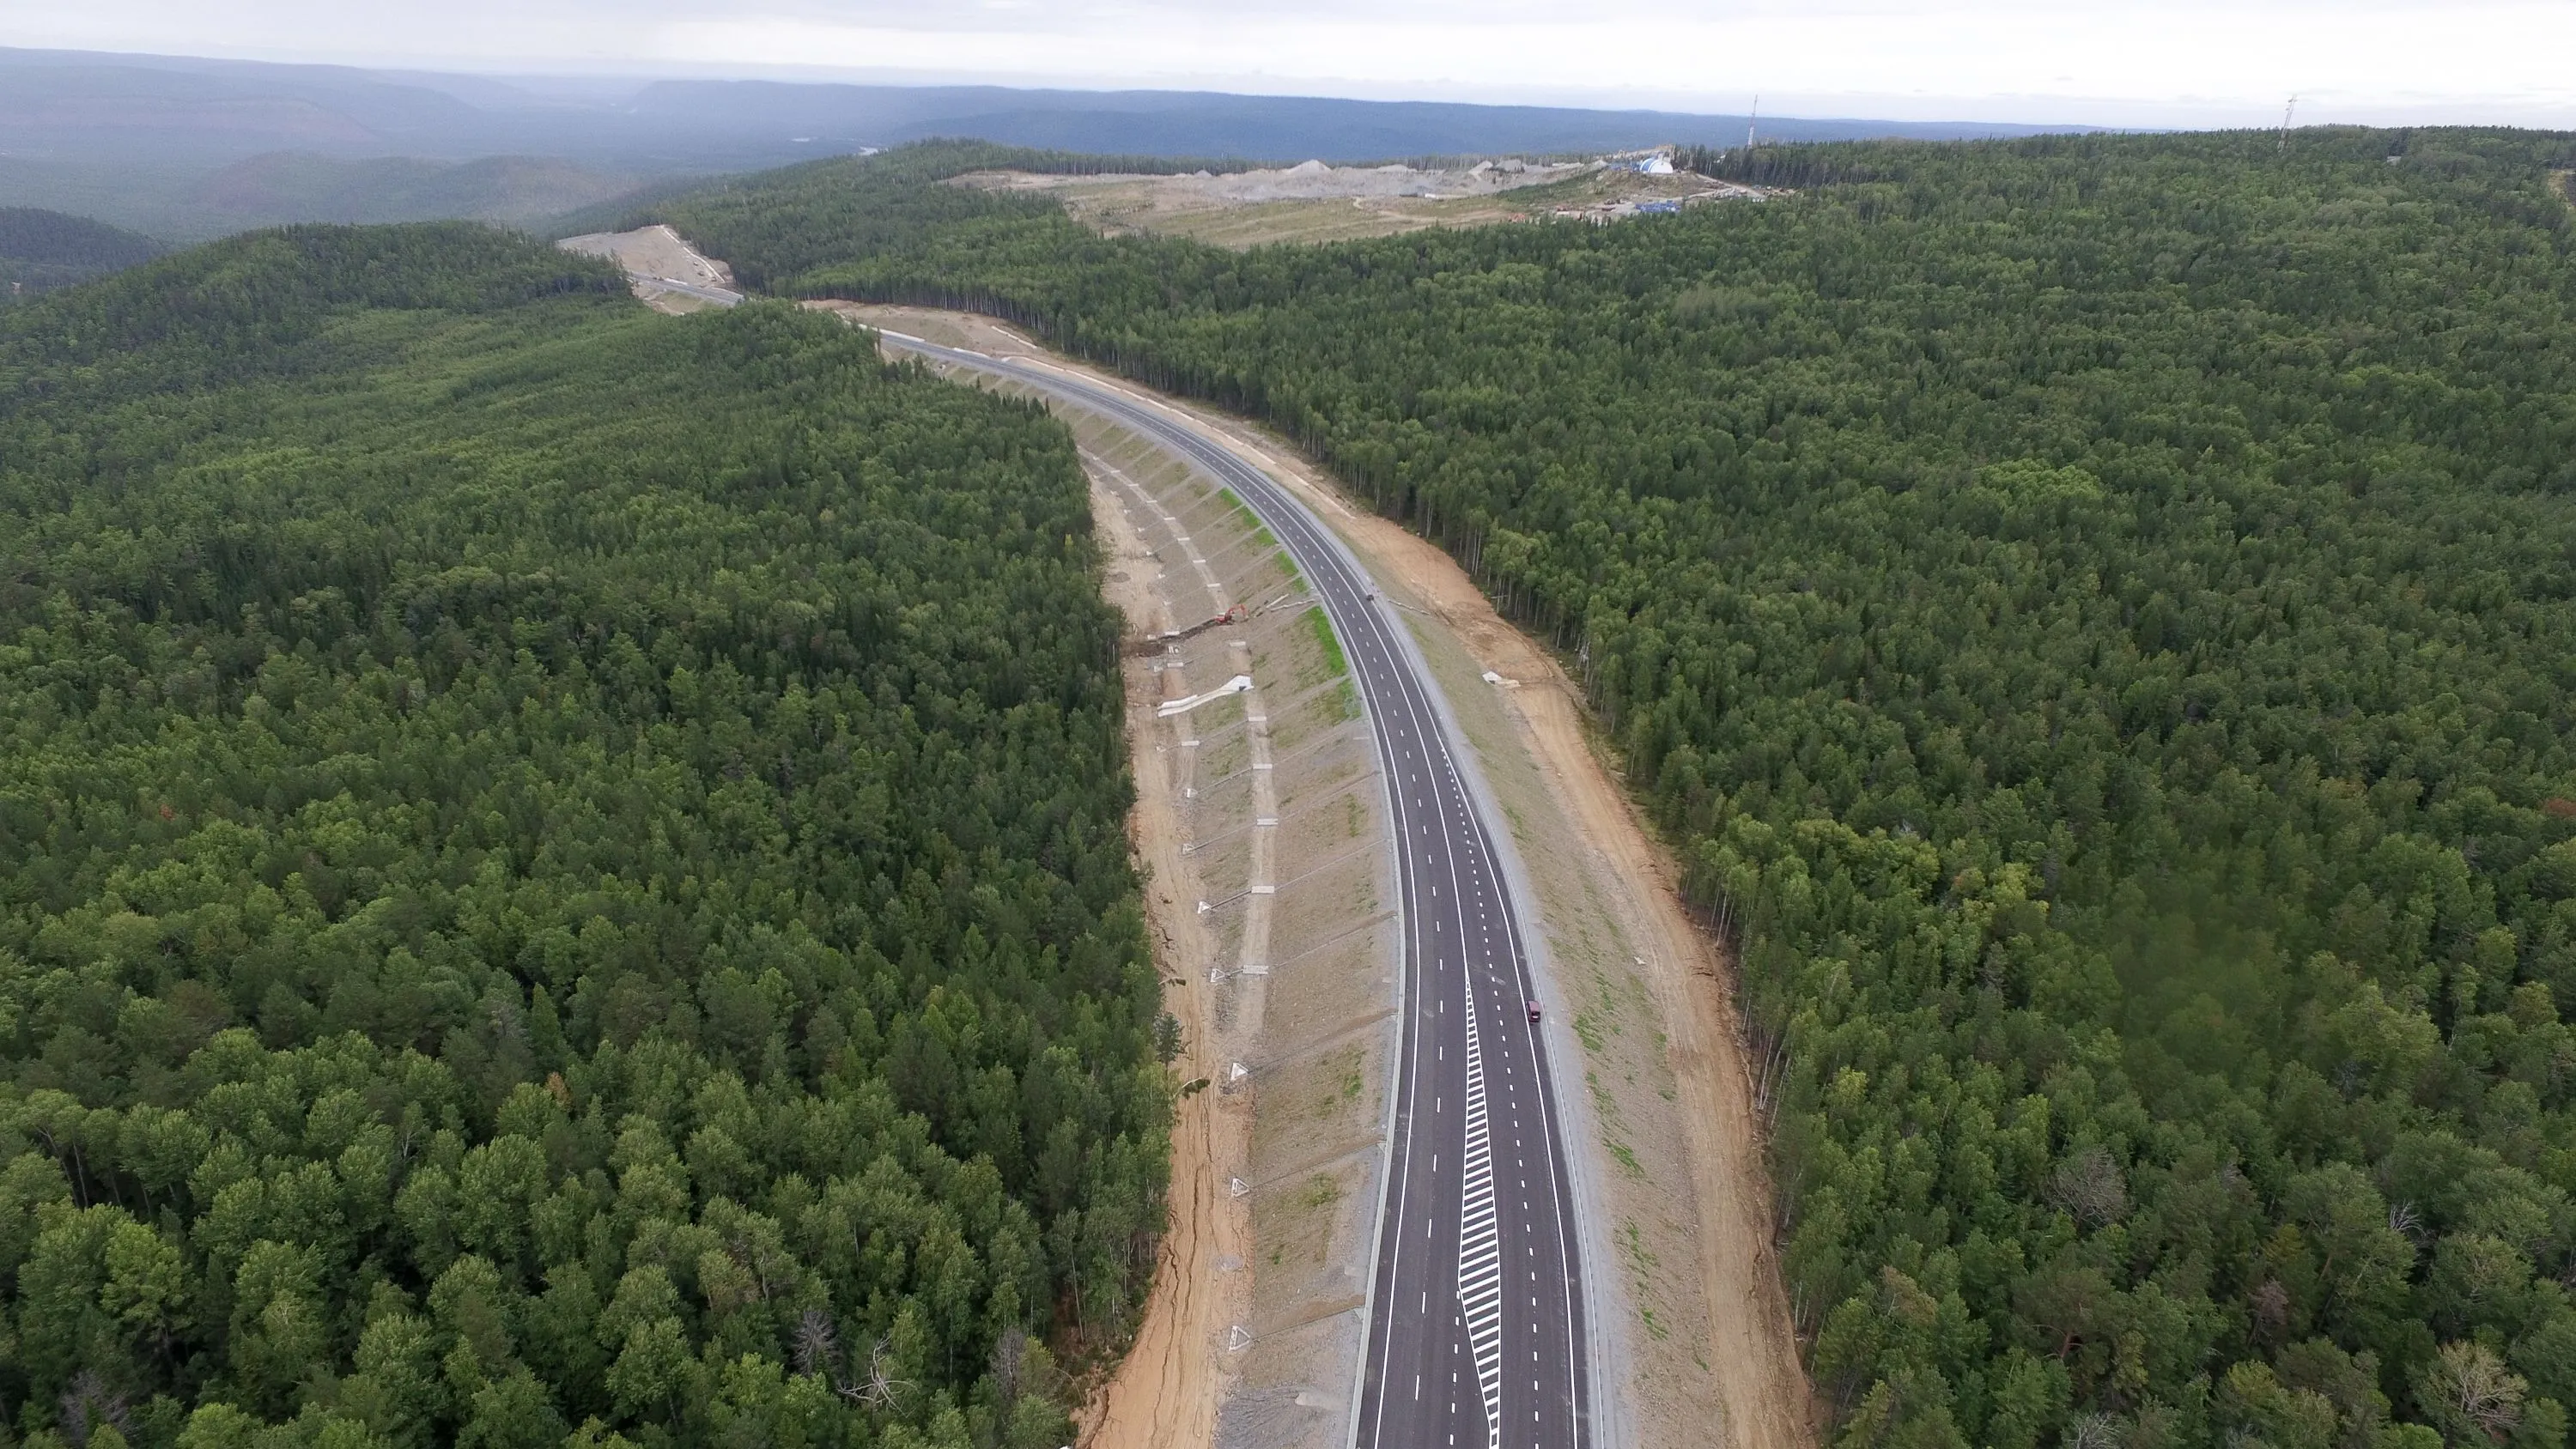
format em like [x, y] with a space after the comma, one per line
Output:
[1712, 1356]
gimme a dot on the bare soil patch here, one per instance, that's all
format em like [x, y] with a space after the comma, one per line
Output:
[1286, 961]
[653, 251]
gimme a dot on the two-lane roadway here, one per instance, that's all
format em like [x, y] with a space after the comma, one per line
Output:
[1477, 1334]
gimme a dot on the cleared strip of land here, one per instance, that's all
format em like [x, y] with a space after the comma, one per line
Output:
[1711, 1354]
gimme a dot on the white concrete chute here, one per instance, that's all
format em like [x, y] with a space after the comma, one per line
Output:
[1236, 685]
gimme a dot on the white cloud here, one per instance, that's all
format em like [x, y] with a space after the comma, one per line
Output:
[2190, 62]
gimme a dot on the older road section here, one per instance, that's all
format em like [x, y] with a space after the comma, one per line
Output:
[1478, 1331]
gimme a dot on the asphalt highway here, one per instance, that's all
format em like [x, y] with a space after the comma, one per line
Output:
[1477, 1333]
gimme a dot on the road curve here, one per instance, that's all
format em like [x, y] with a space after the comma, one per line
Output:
[1477, 1332]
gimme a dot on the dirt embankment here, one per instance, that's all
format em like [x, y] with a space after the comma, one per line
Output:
[1164, 1395]
[1255, 752]
[1711, 1352]
[1260, 824]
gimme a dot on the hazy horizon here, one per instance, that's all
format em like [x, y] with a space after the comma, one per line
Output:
[2400, 62]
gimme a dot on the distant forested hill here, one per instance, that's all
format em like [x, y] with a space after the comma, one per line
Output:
[194, 148]
[561, 872]
[41, 250]
[287, 186]
[123, 107]
[2098, 618]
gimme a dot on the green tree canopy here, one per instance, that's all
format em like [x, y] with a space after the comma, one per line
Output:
[2094, 615]
[561, 869]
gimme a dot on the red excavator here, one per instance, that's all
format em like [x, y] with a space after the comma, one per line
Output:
[1152, 642]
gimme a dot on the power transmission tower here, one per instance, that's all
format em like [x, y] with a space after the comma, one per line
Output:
[2285, 122]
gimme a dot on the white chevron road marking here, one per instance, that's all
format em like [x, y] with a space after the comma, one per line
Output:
[1480, 1256]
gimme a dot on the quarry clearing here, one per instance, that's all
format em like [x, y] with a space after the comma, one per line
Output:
[1313, 202]
[663, 268]
[1712, 1356]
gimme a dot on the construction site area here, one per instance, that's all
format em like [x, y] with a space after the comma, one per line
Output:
[1315, 202]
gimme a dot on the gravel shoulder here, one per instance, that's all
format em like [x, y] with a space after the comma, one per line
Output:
[1165, 1392]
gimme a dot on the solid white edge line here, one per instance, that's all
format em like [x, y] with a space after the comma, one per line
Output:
[1603, 1349]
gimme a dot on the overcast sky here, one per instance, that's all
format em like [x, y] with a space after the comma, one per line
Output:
[2184, 62]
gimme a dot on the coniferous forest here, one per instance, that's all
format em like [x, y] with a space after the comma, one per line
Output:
[562, 873]
[2097, 616]
[41, 250]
